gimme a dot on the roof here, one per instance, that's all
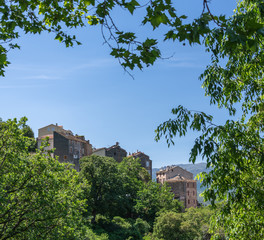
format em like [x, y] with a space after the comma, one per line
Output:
[169, 168]
[180, 178]
[71, 137]
[137, 153]
[50, 136]
[50, 125]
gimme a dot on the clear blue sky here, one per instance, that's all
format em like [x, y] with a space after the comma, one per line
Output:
[84, 89]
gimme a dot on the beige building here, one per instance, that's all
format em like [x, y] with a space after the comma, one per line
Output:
[182, 184]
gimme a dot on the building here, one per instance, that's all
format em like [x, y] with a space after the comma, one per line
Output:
[114, 151]
[144, 160]
[68, 147]
[182, 184]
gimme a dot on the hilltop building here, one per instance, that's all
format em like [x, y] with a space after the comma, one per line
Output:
[144, 160]
[114, 151]
[68, 147]
[119, 153]
[182, 184]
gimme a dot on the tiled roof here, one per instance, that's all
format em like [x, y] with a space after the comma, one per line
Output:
[180, 178]
[137, 153]
[50, 136]
[168, 169]
[71, 137]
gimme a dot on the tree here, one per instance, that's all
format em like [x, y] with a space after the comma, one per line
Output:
[133, 177]
[103, 189]
[35, 17]
[167, 226]
[234, 150]
[233, 80]
[193, 224]
[28, 132]
[111, 188]
[154, 198]
[39, 196]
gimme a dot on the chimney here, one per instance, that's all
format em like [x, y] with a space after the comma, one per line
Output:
[117, 143]
[56, 124]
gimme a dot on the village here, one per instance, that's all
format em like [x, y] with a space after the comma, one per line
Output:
[71, 148]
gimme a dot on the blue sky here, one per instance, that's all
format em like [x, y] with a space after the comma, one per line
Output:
[85, 89]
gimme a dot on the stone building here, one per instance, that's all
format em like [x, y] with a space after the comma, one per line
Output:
[114, 151]
[144, 160]
[68, 147]
[119, 153]
[182, 184]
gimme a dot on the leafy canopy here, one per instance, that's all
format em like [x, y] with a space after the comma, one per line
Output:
[39, 196]
[234, 80]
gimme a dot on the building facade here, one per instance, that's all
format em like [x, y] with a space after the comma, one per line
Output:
[114, 151]
[182, 184]
[144, 160]
[68, 147]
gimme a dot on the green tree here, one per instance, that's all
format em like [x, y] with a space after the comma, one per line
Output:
[154, 198]
[193, 224]
[28, 132]
[234, 150]
[233, 80]
[103, 187]
[132, 176]
[167, 226]
[39, 196]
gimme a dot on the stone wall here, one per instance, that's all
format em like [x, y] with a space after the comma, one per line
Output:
[61, 145]
[116, 152]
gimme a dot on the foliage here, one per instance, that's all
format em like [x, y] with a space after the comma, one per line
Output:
[28, 132]
[167, 226]
[119, 228]
[234, 150]
[103, 187]
[233, 80]
[153, 199]
[190, 225]
[35, 16]
[39, 196]
[111, 188]
[132, 176]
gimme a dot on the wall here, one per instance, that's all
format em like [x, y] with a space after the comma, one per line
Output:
[100, 152]
[164, 175]
[116, 152]
[49, 130]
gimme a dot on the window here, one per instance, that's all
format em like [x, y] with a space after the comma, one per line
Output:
[48, 129]
[53, 129]
[65, 157]
[193, 184]
[147, 163]
[193, 193]
[188, 193]
[188, 201]
[70, 149]
[193, 201]
[187, 184]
